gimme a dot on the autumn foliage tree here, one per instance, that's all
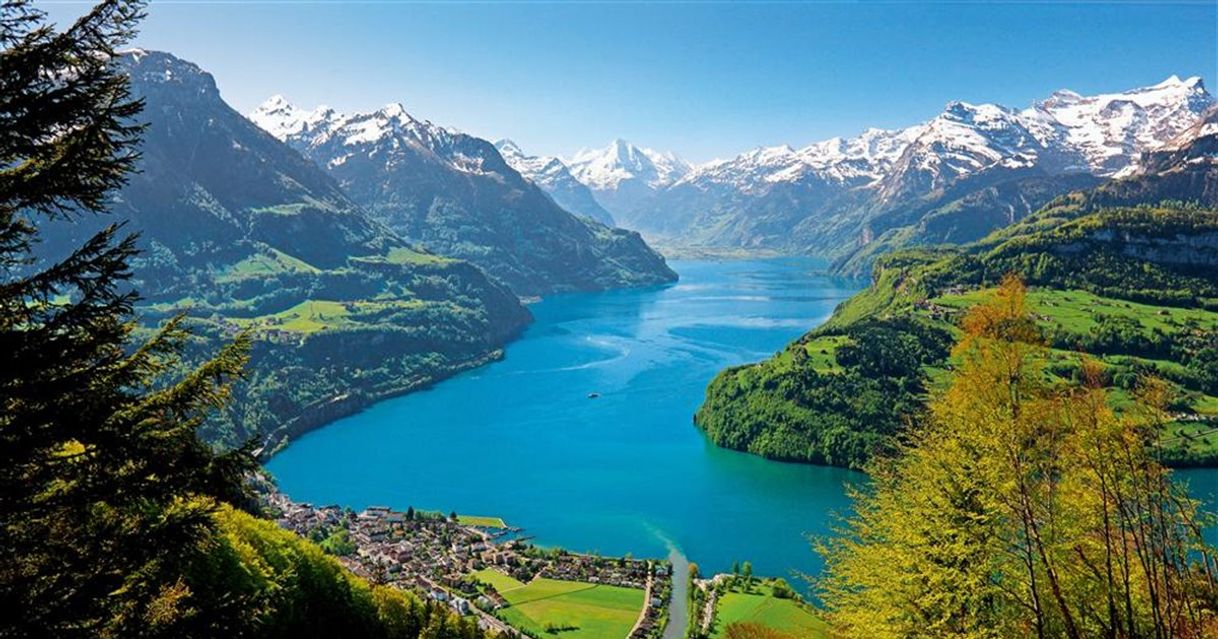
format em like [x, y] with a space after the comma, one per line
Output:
[1021, 508]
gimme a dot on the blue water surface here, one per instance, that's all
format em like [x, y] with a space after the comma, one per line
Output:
[624, 472]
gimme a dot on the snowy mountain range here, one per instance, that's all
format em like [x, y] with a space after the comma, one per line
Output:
[1102, 135]
[834, 196]
[555, 178]
[970, 169]
[456, 195]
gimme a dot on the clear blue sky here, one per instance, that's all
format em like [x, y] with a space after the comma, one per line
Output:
[702, 79]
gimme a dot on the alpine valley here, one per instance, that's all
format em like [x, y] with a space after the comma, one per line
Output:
[296, 371]
[397, 259]
[321, 232]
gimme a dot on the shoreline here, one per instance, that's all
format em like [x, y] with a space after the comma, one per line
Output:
[352, 402]
[337, 407]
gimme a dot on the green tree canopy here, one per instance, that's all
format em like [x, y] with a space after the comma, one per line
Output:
[1019, 509]
[104, 485]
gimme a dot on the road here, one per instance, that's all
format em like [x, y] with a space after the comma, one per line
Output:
[651, 577]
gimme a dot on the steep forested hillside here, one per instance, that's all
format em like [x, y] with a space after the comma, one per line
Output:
[242, 233]
[117, 519]
[1136, 287]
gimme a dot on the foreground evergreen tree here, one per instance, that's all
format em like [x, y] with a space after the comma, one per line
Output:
[105, 490]
[115, 519]
[1023, 510]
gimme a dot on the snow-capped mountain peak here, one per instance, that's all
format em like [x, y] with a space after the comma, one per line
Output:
[1109, 131]
[844, 162]
[303, 127]
[1174, 81]
[282, 119]
[508, 147]
[1102, 135]
[555, 178]
[395, 110]
[622, 161]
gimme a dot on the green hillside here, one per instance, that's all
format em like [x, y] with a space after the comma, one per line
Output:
[118, 520]
[256, 579]
[240, 233]
[1134, 287]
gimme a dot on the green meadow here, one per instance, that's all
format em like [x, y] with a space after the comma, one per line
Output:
[570, 609]
[481, 521]
[761, 607]
[1079, 311]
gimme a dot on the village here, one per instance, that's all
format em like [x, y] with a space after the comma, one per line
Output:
[448, 560]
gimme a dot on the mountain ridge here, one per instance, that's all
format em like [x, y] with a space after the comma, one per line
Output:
[555, 178]
[835, 197]
[241, 233]
[456, 195]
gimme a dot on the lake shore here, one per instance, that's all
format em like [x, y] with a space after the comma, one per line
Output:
[522, 439]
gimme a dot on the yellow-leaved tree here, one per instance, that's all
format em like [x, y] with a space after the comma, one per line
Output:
[1022, 508]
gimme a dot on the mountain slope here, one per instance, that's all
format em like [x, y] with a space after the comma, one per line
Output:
[241, 233]
[1134, 285]
[457, 196]
[555, 179]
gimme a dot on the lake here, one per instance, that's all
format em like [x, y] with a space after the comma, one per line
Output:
[623, 472]
[626, 471]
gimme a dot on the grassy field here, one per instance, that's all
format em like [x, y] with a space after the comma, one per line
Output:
[481, 522]
[784, 615]
[403, 255]
[566, 608]
[1077, 311]
[311, 316]
[821, 351]
[500, 581]
[263, 264]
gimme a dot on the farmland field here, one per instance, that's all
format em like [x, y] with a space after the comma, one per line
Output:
[762, 608]
[568, 609]
[500, 581]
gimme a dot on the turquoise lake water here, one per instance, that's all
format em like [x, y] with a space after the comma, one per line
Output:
[625, 472]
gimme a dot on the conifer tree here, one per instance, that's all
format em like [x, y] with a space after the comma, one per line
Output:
[105, 488]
